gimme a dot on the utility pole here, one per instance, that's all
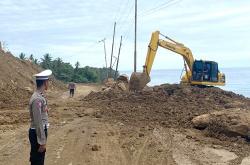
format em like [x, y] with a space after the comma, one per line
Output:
[135, 35]
[118, 57]
[114, 62]
[105, 57]
[110, 69]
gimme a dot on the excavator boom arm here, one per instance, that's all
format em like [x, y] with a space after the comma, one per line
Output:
[170, 45]
[180, 49]
[152, 49]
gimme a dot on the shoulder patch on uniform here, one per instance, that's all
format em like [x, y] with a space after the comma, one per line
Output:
[39, 103]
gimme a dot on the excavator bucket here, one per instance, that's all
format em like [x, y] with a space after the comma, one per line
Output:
[138, 81]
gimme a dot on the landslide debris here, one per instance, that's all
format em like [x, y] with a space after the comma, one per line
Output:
[16, 81]
[168, 105]
[231, 122]
[121, 84]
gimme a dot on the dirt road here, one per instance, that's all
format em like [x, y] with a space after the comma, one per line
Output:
[79, 135]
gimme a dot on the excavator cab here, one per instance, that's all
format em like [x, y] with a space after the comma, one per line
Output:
[206, 71]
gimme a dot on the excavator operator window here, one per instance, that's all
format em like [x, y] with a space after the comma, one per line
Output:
[207, 71]
[197, 71]
[214, 72]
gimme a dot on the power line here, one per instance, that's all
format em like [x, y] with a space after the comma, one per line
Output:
[118, 11]
[120, 15]
[151, 11]
[123, 19]
[155, 4]
[130, 20]
[126, 34]
[160, 7]
[123, 10]
[156, 7]
[117, 15]
[123, 22]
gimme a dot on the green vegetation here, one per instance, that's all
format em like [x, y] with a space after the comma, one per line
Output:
[67, 73]
[22, 56]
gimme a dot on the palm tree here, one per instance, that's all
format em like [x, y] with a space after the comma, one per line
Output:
[22, 56]
[77, 65]
[46, 61]
[35, 61]
[31, 58]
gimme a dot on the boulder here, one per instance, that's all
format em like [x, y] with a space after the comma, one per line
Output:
[109, 82]
[235, 122]
[123, 78]
[201, 121]
[122, 86]
[148, 89]
[107, 89]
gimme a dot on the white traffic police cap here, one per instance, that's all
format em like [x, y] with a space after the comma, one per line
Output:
[44, 75]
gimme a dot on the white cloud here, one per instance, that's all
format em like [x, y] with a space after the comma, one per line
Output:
[216, 30]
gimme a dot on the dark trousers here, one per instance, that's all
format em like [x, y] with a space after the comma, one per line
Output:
[36, 158]
[71, 92]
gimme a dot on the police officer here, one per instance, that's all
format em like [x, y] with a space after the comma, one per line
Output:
[39, 119]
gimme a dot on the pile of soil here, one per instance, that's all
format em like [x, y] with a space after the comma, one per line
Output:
[121, 84]
[168, 105]
[17, 81]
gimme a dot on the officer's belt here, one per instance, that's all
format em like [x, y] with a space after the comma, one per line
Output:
[46, 126]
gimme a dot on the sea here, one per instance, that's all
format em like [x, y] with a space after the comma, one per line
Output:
[237, 79]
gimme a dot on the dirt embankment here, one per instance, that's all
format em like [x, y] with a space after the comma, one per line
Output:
[168, 105]
[173, 107]
[16, 81]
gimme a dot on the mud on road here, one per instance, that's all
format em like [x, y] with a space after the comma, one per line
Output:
[126, 128]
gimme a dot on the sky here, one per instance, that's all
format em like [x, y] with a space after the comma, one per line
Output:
[216, 30]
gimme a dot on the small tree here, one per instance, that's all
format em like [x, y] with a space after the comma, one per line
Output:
[31, 58]
[22, 56]
[35, 61]
[77, 65]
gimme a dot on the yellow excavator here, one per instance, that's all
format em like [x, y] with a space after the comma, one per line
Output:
[197, 72]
